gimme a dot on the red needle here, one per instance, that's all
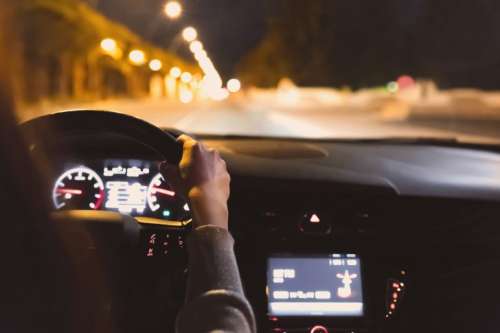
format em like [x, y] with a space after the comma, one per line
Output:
[162, 191]
[69, 191]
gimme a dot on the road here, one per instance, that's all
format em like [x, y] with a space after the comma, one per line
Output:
[246, 117]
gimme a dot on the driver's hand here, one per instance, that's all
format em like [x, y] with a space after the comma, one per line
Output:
[203, 179]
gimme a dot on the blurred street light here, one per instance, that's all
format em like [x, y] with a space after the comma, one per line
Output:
[173, 9]
[392, 87]
[196, 46]
[233, 85]
[186, 77]
[109, 45]
[155, 65]
[405, 81]
[189, 34]
[201, 56]
[211, 84]
[137, 57]
[175, 72]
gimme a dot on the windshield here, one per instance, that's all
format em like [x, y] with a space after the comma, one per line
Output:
[302, 69]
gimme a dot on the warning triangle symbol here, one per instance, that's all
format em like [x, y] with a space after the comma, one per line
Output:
[314, 219]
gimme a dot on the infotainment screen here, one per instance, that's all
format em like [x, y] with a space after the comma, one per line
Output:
[323, 285]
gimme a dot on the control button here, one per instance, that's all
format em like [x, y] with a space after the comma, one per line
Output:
[318, 329]
[314, 223]
[395, 294]
[314, 219]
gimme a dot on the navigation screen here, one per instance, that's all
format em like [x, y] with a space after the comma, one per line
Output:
[328, 285]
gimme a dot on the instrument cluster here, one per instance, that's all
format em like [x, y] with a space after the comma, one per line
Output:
[128, 186]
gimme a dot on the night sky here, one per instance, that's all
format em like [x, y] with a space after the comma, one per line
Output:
[227, 28]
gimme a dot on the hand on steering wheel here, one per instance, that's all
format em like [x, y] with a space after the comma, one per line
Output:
[203, 179]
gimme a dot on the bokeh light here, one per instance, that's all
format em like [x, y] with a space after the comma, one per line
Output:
[392, 87]
[137, 57]
[196, 46]
[155, 65]
[186, 77]
[175, 72]
[233, 85]
[173, 9]
[108, 45]
[189, 34]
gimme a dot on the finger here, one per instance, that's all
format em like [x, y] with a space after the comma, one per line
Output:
[183, 138]
[214, 152]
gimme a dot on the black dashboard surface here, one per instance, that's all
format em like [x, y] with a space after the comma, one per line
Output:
[405, 169]
[427, 211]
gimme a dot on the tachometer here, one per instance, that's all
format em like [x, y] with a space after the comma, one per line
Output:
[78, 188]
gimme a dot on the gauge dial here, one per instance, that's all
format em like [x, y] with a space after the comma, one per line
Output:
[78, 188]
[163, 200]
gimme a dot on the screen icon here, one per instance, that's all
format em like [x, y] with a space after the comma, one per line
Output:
[345, 291]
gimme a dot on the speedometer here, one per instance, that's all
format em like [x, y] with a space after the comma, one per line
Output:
[159, 192]
[163, 200]
[78, 188]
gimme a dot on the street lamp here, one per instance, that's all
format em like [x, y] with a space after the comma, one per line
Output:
[175, 72]
[189, 34]
[137, 57]
[186, 77]
[196, 46]
[109, 45]
[200, 56]
[173, 9]
[233, 85]
[155, 65]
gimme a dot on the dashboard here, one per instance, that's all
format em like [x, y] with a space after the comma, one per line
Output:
[128, 186]
[320, 249]
[330, 236]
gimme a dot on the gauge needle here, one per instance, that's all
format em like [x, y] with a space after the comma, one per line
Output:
[69, 191]
[163, 191]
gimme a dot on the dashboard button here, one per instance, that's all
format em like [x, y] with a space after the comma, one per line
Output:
[315, 223]
[318, 329]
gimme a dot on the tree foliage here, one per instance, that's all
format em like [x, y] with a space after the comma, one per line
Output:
[367, 43]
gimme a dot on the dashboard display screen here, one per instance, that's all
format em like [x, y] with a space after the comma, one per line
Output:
[133, 187]
[328, 285]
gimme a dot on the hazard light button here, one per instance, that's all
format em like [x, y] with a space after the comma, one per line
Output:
[315, 223]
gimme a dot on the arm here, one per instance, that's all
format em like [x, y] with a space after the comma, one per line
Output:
[215, 300]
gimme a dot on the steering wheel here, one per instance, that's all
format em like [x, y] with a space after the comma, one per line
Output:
[109, 237]
[48, 127]
[106, 122]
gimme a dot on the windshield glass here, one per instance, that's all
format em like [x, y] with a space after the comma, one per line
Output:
[306, 69]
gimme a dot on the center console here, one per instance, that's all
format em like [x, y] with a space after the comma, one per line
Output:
[331, 292]
[342, 267]
[315, 286]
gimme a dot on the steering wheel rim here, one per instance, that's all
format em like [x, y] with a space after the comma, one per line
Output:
[100, 121]
[162, 143]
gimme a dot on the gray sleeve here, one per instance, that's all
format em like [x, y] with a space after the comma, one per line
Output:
[215, 301]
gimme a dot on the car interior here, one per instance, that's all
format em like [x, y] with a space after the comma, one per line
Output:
[362, 139]
[383, 235]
